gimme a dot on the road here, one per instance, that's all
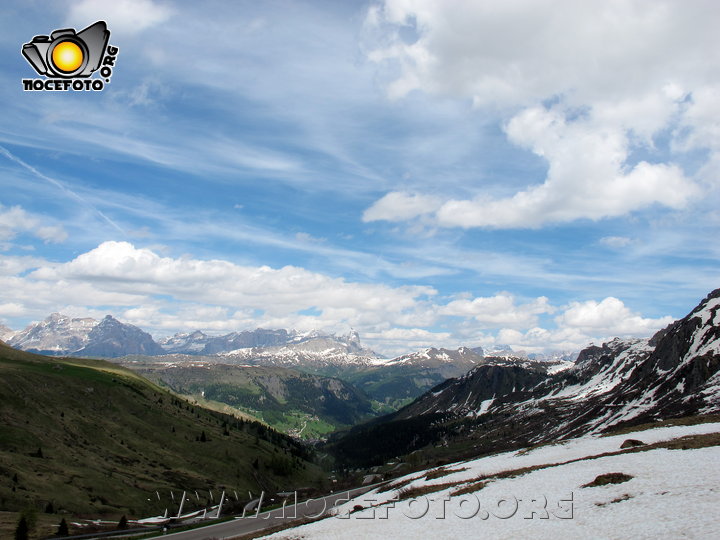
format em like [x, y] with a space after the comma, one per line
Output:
[238, 527]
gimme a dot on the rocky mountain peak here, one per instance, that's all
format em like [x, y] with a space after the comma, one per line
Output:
[6, 333]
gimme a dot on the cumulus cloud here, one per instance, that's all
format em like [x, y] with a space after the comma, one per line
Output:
[277, 294]
[499, 310]
[164, 294]
[609, 317]
[515, 53]
[588, 177]
[579, 324]
[539, 339]
[581, 85]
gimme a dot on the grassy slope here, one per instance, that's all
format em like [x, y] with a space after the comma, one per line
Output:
[109, 439]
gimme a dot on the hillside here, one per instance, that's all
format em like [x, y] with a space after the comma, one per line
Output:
[94, 438]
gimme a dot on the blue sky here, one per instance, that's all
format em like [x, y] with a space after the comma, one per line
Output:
[537, 173]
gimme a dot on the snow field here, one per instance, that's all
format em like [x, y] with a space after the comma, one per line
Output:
[673, 494]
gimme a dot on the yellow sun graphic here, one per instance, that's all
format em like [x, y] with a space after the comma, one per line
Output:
[67, 56]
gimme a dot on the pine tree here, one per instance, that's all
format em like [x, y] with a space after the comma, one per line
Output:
[63, 528]
[21, 532]
[122, 524]
[29, 514]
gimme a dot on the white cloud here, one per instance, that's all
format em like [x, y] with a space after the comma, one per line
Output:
[616, 242]
[11, 309]
[10, 265]
[515, 53]
[16, 220]
[588, 177]
[538, 339]
[51, 233]
[126, 16]
[279, 294]
[397, 341]
[616, 74]
[700, 129]
[610, 317]
[165, 294]
[400, 206]
[499, 310]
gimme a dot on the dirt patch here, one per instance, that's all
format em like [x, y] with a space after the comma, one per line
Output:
[609, 478]
[397, 486]
[623, 497]
[419, 491]
[692, 441]
[439, 473]
[471, 488]
[684, 421]
[631, 443]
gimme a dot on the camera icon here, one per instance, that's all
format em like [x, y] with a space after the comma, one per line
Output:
[66, 53]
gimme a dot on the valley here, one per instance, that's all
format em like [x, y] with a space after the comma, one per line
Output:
[95, 437]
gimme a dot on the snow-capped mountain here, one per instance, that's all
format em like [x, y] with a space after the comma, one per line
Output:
[513, 403]
[6, 333]
[110, 339]
[311, 350]
[185, 343]
[500, 350]
[448, 363]
[554, 356]
[199, 343]
[58, 334]
[675, 372]
[63, 335]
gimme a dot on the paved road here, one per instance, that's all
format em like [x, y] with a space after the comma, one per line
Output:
[237, 527]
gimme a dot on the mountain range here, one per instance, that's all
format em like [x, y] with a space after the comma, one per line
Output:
[516, 403]
[61, 335]
[379, 385]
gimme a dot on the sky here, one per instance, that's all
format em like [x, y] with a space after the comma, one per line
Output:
[542, 173]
